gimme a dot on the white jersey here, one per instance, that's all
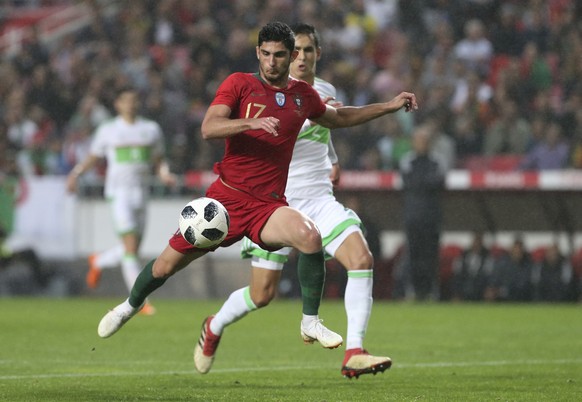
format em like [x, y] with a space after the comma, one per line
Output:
[130, 150]
[310, 165]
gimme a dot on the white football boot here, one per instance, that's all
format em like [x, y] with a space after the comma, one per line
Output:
[114, 320]
[316, 331]
[205, 349]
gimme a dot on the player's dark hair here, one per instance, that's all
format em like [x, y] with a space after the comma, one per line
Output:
[307, 29]
[277, 32]
[123, 89]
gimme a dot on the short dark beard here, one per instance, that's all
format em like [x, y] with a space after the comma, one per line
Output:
[276, 83]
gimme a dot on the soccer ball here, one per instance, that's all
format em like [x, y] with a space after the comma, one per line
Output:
[204, 222]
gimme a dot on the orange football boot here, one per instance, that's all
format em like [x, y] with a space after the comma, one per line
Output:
[94, 274]
[147, 309]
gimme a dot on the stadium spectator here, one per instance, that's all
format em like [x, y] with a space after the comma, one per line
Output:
[443, 44]
[165, 28]
[506, 35]
[509, 133]
[541, 102]
[475, 49]
[95, 59]
[535, 70]
[136, 62]
[47, 92]
[472, 95]
[553, 277]
[369, 159]
[535, 29]
[393, 144]
[468, 137]
[360, 25]
[239, 51]
[76, 148]
[550, 154]
[423, 180]
[511, 278]
[33, 52]
[508, 85]
[471, 270]
[442, 146]
[384, 13]
[21, 129]
[575, 159]
[99, 29]
[90, 112]
[538, 125]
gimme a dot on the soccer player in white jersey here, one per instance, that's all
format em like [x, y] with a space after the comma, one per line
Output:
[310, 189]
[133, 147]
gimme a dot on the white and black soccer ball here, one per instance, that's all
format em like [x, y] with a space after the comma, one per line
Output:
[204, 222]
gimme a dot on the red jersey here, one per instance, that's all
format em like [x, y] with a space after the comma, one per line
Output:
[255, 161]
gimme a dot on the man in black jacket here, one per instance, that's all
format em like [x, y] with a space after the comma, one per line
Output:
[423, 180]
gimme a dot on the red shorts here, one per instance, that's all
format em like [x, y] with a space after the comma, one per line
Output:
[247, 214]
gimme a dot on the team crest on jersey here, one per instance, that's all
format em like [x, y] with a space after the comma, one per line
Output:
[298, 101]
[280, 98]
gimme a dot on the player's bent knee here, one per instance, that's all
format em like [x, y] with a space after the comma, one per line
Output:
[262, 302]
[310, 241]
[262, 299]
[162, 270]
[361, 261]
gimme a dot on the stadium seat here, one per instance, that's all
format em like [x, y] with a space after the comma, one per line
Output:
[538, 254]
[384, 271]
[497, 251]
[576, 260]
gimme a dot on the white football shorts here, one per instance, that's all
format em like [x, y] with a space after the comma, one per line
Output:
[335, 222]
[129, 212]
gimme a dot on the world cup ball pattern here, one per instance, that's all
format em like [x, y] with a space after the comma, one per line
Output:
[204, 222]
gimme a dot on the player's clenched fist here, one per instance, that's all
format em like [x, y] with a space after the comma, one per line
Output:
[406, 100]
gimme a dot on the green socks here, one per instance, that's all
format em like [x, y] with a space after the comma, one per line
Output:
[144, 285]
[311, 272]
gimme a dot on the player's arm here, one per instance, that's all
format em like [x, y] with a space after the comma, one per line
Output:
[78, 170]
[334, 175]
[163, 171]
[347, 116]
[218, 124]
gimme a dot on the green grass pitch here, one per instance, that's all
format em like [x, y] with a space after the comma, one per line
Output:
[50, 351]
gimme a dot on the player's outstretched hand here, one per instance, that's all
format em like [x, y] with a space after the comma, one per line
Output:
[406, 100]
[331, 101]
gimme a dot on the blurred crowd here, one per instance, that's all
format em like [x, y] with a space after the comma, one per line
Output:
[485, 270]
[496, 78]
[518, 274]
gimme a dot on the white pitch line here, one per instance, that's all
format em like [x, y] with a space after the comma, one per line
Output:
[282, 368]
[491, 363]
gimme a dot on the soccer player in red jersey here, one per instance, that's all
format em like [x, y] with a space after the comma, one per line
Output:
[259, 116]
